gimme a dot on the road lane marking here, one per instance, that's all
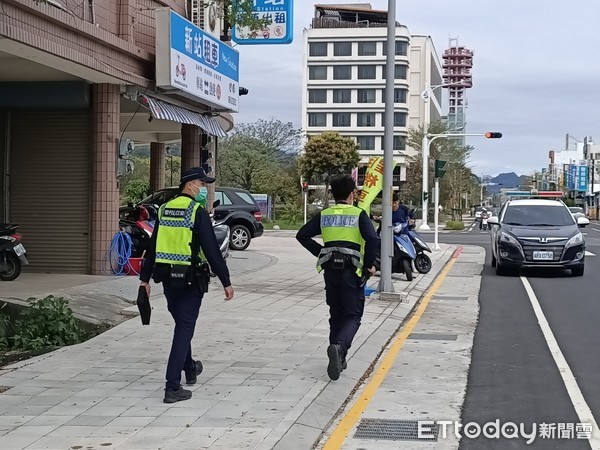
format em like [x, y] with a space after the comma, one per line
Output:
[589, 253]
[340, 433]
[581, 407]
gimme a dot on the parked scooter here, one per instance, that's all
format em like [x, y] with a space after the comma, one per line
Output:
[404, 251]
[12, 252]
[422, 261]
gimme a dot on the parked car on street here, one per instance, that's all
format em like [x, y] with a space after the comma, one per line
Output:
[237, 209]
[579, 213]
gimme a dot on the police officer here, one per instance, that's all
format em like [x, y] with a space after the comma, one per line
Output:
[350, 247]
[182, 243]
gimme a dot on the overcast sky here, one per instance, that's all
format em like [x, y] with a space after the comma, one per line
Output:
[536, 72]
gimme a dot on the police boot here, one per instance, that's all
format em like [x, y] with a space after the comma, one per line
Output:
[334, 352]
[191, 376]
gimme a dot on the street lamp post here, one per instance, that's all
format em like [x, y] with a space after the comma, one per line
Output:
[426, 95]
[427, 140]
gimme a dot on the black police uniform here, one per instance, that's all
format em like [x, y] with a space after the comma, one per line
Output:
[183, 302]
[344, 290]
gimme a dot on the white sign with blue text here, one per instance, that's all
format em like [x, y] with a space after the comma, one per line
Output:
[200, 65]
[280, 14]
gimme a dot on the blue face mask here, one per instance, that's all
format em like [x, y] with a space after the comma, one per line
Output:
[202, 195]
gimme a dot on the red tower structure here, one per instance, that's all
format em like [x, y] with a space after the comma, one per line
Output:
[457, 65]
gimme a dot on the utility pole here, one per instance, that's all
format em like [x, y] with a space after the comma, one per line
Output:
[385, 279]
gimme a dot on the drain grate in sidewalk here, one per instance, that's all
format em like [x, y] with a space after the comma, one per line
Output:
[394, 430]
[433, 336]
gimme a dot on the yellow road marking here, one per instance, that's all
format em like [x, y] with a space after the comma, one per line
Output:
[339, 435]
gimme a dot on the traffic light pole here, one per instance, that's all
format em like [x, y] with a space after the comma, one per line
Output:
[436, 214]
[427, 140]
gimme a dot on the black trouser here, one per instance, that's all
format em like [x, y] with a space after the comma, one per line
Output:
[184, 305]
[346, 300]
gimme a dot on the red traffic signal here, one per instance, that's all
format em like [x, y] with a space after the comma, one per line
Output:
[305, 186]
[493, 135]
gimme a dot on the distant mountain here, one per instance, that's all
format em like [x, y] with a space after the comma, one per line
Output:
[504, 181]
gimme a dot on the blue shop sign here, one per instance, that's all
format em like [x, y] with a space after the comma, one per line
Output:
[200, 64]
[280, 13]
[582, 178]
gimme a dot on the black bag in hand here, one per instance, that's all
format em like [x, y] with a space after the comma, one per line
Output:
[143, 303]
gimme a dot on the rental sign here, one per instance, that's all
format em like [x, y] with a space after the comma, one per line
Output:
[203, 68]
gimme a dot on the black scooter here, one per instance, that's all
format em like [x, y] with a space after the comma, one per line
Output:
[12, 252]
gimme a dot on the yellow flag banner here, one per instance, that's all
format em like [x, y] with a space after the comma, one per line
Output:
[372, 185]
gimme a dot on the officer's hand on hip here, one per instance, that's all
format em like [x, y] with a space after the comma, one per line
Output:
[147, 286]
[228, 292]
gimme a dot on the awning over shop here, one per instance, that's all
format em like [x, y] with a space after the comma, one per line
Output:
[166, 111]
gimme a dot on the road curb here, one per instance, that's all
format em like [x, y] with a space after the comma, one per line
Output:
[323, 410]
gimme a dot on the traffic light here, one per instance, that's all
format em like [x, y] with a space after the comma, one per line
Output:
[493, 135]
[425, 196]
[439, 168]
[305, 186]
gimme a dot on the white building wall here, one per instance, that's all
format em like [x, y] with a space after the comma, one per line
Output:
[420, 60]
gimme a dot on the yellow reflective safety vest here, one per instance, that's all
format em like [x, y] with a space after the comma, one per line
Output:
[340, 223]
[176, 226]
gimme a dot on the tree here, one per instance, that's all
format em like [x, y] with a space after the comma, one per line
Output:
[328, 154]
[261, 157]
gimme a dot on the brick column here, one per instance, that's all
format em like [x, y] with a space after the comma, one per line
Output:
[106, 110]
[190, 146]
[157, 166]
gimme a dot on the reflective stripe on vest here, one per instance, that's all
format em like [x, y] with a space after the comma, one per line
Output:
[176, 224]
[340, 223]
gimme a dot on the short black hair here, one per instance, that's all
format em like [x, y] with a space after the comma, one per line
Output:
[395, 197]
[341, 187]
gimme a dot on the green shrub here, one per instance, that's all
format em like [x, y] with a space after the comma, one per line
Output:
[48, 322]
[455, 225]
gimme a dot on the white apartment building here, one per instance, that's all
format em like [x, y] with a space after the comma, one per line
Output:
[344, 80]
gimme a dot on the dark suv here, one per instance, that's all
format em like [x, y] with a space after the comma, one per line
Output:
[237, 209]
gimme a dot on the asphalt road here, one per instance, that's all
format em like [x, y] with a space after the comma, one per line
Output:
[514, 375]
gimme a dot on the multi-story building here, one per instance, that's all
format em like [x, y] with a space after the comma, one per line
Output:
[80, 83]
[344, 80]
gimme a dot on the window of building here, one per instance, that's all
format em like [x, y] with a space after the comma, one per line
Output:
[367, 48]
[342, 95]
[400, 95]
[399, 143]
[317, 49]
[341, 119]
[401, 48]
[399, 119]
[365, 120]
[366, 72]
[317, 96]
[400, 72]
[317, 73]
[366, 142]
[317, 119]
[366, 96]
[342, 72]
[342, 49]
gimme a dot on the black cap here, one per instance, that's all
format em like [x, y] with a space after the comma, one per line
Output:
[195, 173]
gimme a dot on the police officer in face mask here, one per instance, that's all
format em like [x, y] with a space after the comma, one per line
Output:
[182, 248]
[347, 256]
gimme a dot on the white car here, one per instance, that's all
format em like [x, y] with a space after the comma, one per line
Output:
[579, 215]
